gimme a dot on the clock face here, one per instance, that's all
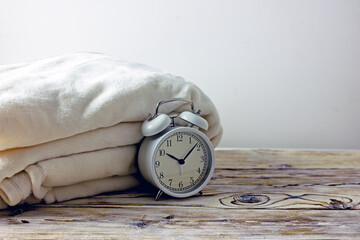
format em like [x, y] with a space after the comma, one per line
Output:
[183, 161]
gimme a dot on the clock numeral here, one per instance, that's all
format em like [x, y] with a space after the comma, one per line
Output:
[170, 180]
[157, 164]
[198, 147]
[179, 138]
[181, 184]
[168, 143]
[198, 170]
[189, 140]
[161, 175]
[203, 158]
[192, 180]
[162, 152]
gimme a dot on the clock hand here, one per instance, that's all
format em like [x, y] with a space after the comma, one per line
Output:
[189, 152]
[173, 157]
[180, 161]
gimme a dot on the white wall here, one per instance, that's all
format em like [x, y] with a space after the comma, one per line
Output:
[283, 74]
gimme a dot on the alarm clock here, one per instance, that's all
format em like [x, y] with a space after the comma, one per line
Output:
[177, 159]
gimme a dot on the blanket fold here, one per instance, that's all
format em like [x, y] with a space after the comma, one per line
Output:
[70, 125]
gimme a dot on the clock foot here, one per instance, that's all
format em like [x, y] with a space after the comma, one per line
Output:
[158, 195]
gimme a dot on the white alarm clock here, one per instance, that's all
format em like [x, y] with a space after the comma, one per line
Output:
[177, 159]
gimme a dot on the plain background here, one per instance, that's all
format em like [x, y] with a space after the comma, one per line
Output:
[283, 74]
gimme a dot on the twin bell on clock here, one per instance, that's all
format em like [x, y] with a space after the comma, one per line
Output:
[178, 159]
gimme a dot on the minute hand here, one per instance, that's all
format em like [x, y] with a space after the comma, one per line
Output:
[190, 151]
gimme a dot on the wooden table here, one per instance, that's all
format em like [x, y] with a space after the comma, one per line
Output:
[254, 194]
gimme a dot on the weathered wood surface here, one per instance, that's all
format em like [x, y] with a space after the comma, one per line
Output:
[254, 194]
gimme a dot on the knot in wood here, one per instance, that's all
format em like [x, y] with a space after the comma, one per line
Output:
[248, 199]
[339, 205]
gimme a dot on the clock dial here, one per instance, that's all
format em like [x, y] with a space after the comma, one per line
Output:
[182, 161]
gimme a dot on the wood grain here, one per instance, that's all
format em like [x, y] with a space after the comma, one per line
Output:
[254, 194]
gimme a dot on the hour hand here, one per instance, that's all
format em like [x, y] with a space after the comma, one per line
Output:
[173, 157]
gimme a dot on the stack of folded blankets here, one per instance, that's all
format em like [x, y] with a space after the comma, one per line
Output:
[70, 125]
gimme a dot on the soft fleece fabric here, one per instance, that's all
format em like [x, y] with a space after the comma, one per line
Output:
[69, 125]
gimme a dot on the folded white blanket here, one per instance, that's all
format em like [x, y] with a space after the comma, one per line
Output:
[69, 125]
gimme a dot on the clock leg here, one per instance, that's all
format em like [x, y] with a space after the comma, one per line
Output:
[158, 195]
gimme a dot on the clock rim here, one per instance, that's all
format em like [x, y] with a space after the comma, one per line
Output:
[153, 143]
